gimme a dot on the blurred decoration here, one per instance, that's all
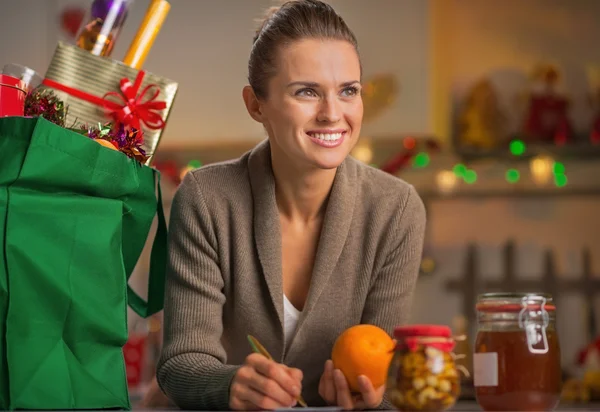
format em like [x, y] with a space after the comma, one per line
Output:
[594, 101]
[560, 178]
[461, 171]
[513, 176]
[168, 169]
[417, 151]
[363, 151]
[194, 164]
[517, 147]
[541, 169]
[71, 19]
[428, 264]
[588, 388]
[547, 118]
[378, 94]
[482, 123]
[446, 181]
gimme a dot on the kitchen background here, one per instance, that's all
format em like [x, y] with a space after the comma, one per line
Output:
[453, 91]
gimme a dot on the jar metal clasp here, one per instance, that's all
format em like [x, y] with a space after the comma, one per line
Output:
[535, 322]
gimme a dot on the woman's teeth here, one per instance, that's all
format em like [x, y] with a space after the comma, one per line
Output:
[327, 136]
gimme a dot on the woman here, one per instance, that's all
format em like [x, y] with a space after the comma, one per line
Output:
[293, 242]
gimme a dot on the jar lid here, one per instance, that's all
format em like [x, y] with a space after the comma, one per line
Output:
[512, 307]
[514, 302]
[441, 331]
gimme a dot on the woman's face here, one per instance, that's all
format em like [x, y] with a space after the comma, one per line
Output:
[313, 110]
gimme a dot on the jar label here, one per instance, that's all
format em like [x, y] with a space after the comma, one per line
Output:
[485, 369]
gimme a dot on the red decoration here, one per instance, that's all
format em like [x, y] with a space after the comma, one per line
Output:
[547, 117]
[71, 19]
[132, 111]
[169, 169]
[402, 159]
[595, 104]
[583, 354]
[595, 135]
[134, 353]
[398, 162]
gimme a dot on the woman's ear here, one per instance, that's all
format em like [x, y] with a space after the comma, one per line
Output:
[252, 104]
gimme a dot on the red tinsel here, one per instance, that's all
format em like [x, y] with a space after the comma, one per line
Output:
[402, 159]
[44, 103]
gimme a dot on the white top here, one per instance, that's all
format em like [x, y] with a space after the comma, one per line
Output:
[290, 319]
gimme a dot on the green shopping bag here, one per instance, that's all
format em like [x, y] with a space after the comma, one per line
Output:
[74, 218]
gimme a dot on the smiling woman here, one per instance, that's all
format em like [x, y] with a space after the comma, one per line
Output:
[293, 242]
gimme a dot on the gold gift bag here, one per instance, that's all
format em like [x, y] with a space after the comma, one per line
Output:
[99, 90]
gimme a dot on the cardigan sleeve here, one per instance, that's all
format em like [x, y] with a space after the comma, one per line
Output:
[192, 370]
[390, 296]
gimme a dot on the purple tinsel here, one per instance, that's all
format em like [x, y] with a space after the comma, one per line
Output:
[100, 9]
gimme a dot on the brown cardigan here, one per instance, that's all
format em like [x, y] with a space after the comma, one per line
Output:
[224, 273]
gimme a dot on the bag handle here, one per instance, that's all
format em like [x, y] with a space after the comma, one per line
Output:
[158, 267]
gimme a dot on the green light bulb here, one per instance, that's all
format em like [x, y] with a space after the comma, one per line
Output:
[517, 147]
[459, 170]
[560, 180]
[470, 176]
[421, 159]
[513, 175]
[558, 168]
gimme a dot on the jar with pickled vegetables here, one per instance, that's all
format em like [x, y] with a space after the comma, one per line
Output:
[423, 375]
[516, 364]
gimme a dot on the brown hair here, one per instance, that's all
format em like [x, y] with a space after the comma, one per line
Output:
[294, 20]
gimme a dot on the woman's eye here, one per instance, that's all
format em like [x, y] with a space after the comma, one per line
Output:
[350, 91]
[306, 93]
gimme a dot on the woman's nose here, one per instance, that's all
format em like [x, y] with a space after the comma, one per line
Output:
[329, 110]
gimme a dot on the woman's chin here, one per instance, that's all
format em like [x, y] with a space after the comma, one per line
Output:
[329, 161]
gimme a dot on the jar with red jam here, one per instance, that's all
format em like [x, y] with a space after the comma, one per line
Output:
[422, 375]
[516, 364]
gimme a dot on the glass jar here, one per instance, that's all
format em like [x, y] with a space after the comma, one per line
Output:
[422, 374]
[101, 26]
[27, 75]
[517, 354]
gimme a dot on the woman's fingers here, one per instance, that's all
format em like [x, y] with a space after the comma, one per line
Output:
[264, 384]
[344, 397]
[371, 397]
[275, 380]
[327, 388]
[259, 400]
[290, 382]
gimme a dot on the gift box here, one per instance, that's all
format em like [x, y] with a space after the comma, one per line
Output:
[99, 89]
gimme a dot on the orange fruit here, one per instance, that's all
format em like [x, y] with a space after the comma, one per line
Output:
[363, 350]
[106, 143]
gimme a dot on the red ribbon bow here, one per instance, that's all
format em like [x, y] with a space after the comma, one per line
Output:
[132, 110]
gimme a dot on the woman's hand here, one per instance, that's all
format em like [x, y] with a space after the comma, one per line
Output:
[334, 389]
[264, 384]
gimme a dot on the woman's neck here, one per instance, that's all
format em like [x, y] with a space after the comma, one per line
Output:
[301, 196]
